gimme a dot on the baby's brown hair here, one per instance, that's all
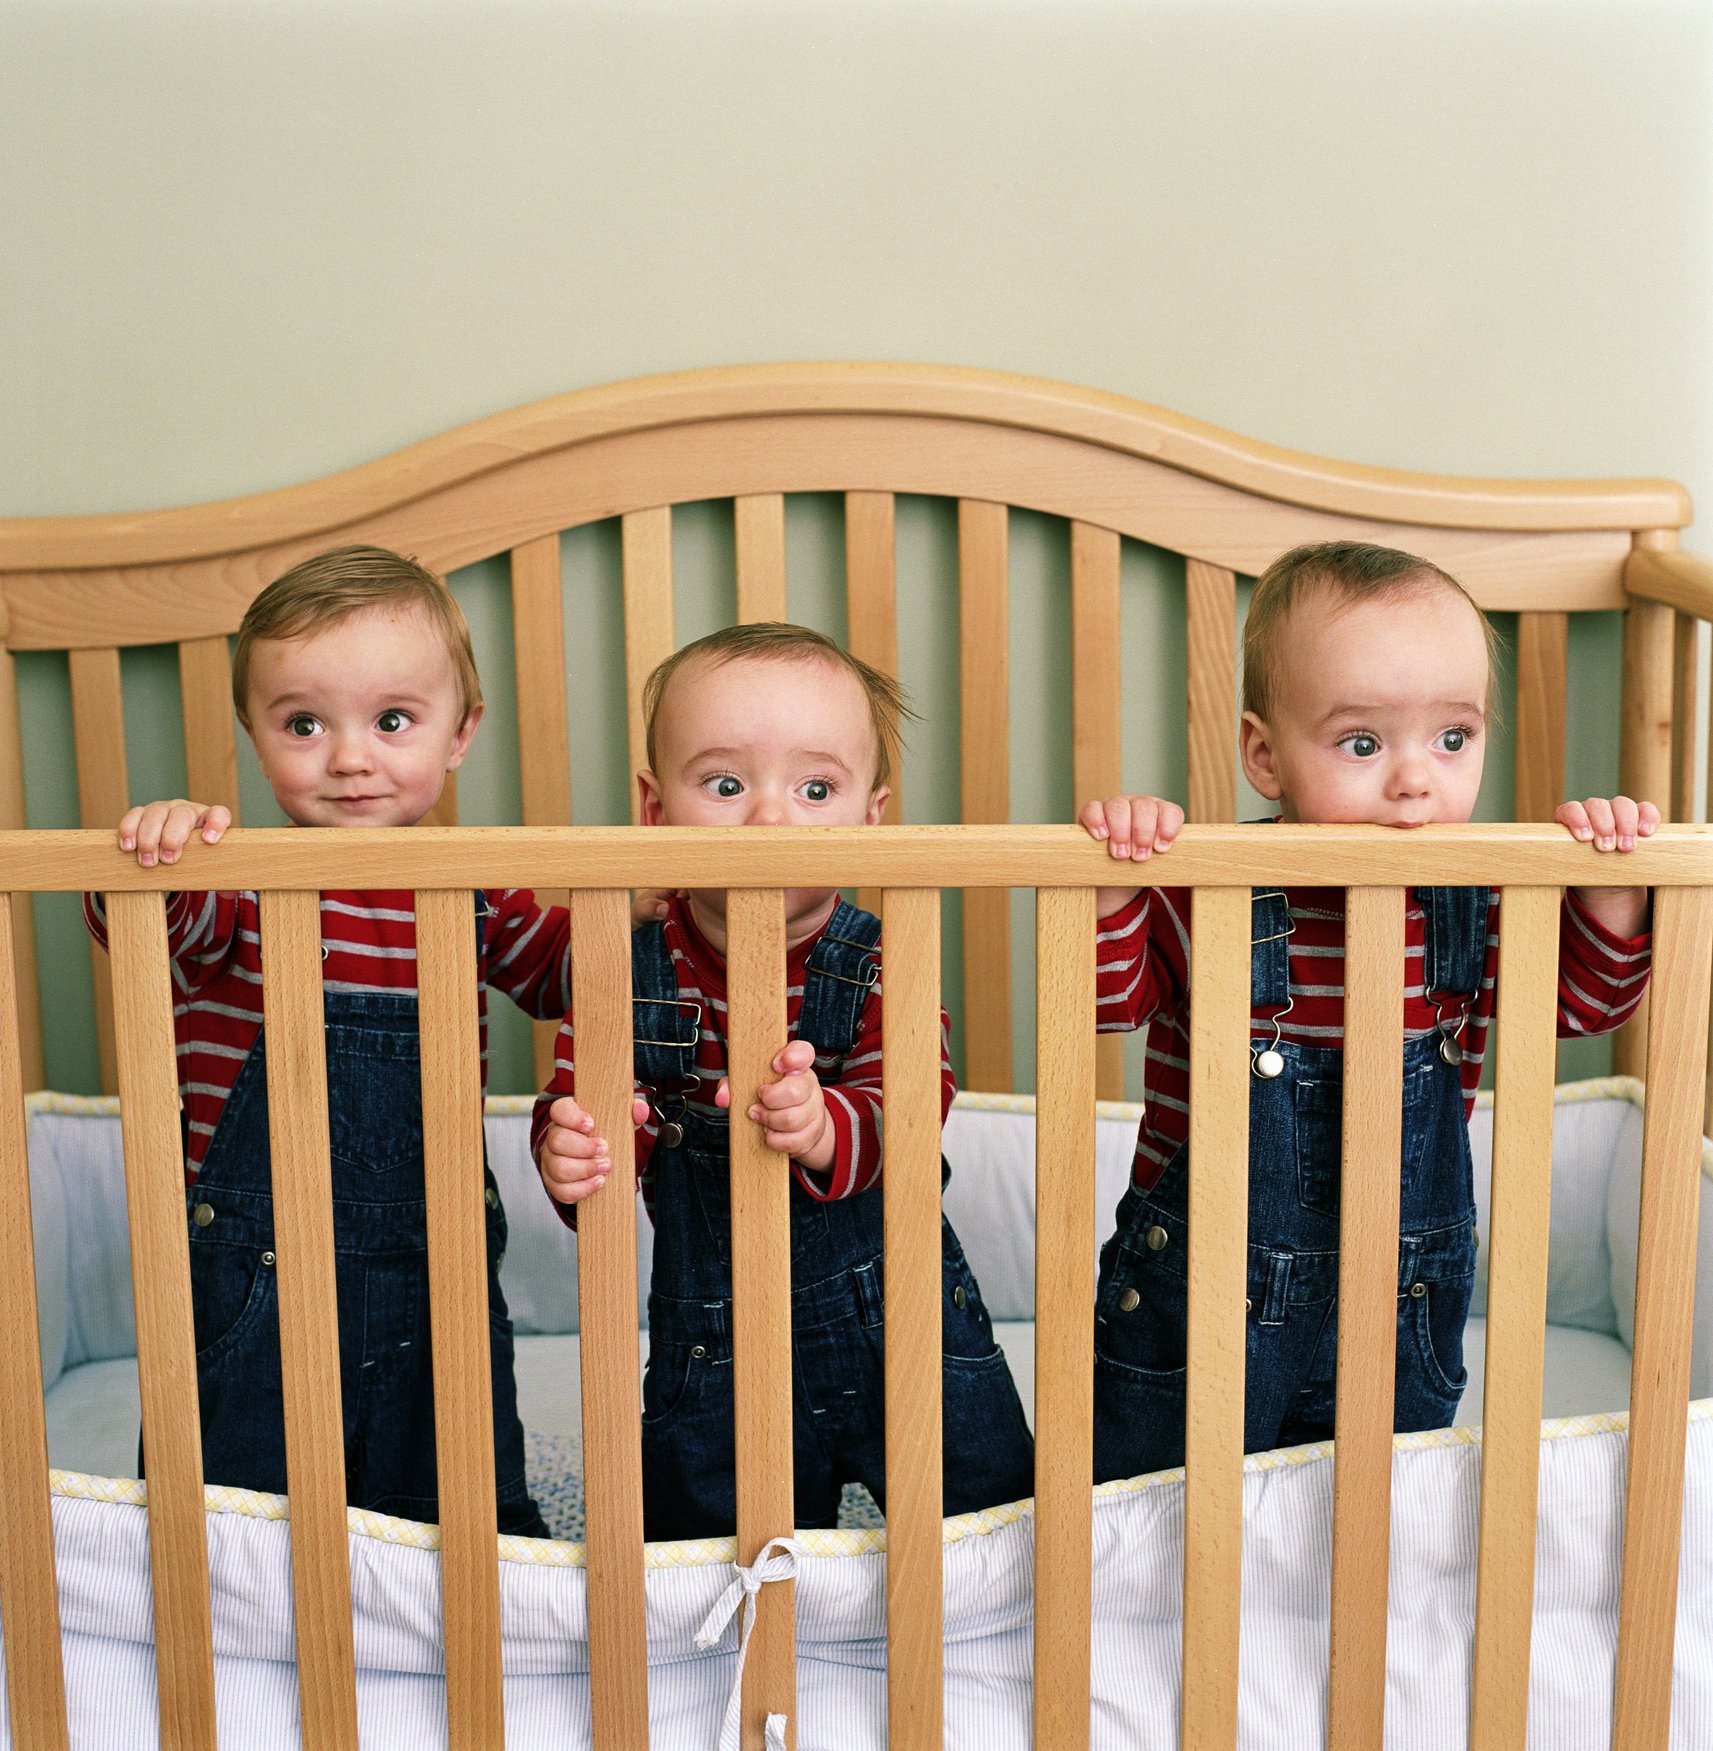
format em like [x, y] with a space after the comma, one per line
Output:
[1353, 571]
[777, 641]
[332, 586]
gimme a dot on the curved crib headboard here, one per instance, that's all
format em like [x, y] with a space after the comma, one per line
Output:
[1115, 470]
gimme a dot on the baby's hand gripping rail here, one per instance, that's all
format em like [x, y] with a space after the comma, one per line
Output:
[911, 865]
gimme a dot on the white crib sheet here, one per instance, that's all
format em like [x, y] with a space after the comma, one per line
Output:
[988, 1558]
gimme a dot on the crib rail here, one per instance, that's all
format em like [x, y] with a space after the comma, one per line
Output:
[910, 866]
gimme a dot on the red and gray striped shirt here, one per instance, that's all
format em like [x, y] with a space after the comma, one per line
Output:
[1143, 974]
[368, 944]
[854, 1103]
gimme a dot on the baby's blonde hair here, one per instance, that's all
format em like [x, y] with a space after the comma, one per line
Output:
[329, 587]
[1352, 571]
[776, 641]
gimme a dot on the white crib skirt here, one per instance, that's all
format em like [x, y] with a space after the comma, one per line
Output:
[1138, 1529]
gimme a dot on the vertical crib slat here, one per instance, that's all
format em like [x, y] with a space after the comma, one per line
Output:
[309, 1315]
[210, 743]
[458, 1315]
[1211, 608]
[29, 1597]
[1685, 684]
[985, 765]
[543, 733]
[910, 997]
[606, 1311]
[1217, 1266]
[759, 520]
[166, 1344]
[1665, 1300]
[871, 613]
[27, 985]
[1096, 721]
[761, 1289]
[1064, 1301]
[1367, 1313]
[1543, 646]
[1525, 1057]
[1644, 761]
[649, 638]
[103, 795]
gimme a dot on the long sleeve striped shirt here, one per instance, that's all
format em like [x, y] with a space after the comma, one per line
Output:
[853, 1103]
[1143, 978]
[368, 944]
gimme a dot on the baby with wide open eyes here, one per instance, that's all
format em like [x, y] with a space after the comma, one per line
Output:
[354, 677]
[1366, 682]
[770, 725]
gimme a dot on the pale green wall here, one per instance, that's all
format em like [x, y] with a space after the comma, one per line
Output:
[252, 242]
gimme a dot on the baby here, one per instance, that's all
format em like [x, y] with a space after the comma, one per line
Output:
[1367, 679]
[354, 678]
[768, 725]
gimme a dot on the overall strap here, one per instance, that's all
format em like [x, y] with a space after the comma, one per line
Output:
[1455, 954]
[663, 1024]
[842, 968]
[1269, 950]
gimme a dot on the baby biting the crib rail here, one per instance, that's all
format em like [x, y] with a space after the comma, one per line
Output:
[758, 725]
[354, 677]
[1367, 677]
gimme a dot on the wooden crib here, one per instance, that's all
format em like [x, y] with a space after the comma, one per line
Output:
[1114, 471]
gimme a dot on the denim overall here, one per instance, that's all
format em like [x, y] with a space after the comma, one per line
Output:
[374, 1104]
[1294, 1151]
[837, 1285]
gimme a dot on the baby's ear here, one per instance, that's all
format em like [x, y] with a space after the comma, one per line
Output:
[461, 742]
[878, 799]
[648, 790]
[1255, 745]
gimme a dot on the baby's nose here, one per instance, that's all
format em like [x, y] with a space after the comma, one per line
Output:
[766, 811]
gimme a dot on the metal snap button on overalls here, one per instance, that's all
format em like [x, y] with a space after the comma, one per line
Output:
[1418, 1290]
[1129, 1301]
[1156, 1237]
[202, 1215]
[268, 1259]
[959, 1298]
[698, 1351]
[671, 1134]
[490, 1197]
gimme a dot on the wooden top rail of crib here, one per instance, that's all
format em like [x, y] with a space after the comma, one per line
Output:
[1130, 484]
[908, 865]
[1486, 854]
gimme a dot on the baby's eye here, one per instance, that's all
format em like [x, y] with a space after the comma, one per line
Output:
[724, 785]
[818, 790]
[1362, 745]
[1456, 740]
[389, 723]
[301, 724]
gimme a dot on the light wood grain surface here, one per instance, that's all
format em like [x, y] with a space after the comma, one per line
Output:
[103, 795]
[753, 857]
[1064, 1313]
[1218, 1260]
[458, 1315]
[984, 737]
[1367, 1313]
[761, 1310]
[29, 1599]
[758, 521]
[1665, 1305]
[166, 1342]
[1524, 1059]
[910, 998]
[309, 1316]
[606, 1303]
